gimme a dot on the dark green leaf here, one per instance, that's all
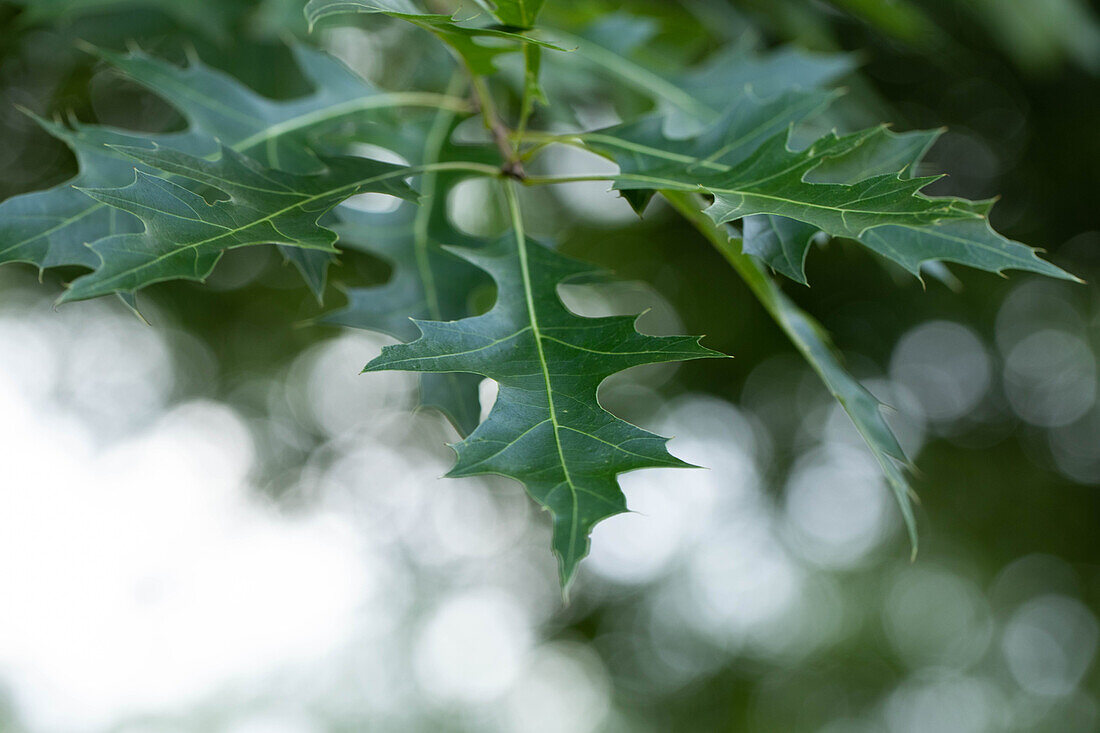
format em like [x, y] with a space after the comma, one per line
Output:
[279, 133]
[208, 16]
[884, 211]
[783, 243]
[971, 241]
[185, 235]
[51, 228]
[771, 181]
[968, 240]
[546, 429]
[888, 152]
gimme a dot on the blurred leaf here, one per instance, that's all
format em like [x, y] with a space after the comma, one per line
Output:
[461, 37]
[517, 13]
[701, 94]
[185, 236]
[644, 145]
[546, 429]
[1038, 34]
[899, 18]
[211, 17]
[780, 242]
[777, 71]
[428, 282]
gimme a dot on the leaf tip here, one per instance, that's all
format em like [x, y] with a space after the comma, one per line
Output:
[566, 578]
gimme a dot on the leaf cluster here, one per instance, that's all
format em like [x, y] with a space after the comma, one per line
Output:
[739, 144]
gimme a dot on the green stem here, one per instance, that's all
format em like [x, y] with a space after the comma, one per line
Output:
[543, 140]
[808, 337]
[550, 180]
[500, 132]
[531, 56]
[486, 106]
[728, 247]
[437, 139]
[457, 165]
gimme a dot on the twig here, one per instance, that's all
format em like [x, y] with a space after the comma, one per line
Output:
[483, 102]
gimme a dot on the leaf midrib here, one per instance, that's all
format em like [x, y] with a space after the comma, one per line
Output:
[664, 183]
[679, 185]
[521, 248]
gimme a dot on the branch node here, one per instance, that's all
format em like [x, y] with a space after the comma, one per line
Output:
[514, 169]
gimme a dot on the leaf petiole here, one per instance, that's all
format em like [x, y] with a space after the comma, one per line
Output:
[551, 180]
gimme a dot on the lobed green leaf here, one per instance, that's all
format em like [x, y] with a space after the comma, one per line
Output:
[53, 227]
[836, 185]
[185, 235]
[546, 429]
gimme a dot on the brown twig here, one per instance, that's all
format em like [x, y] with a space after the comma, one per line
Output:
[512, 167]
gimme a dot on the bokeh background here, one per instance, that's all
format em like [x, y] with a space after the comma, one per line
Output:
[213, 523]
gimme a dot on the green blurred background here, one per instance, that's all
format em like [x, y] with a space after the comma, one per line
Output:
[214, 524]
